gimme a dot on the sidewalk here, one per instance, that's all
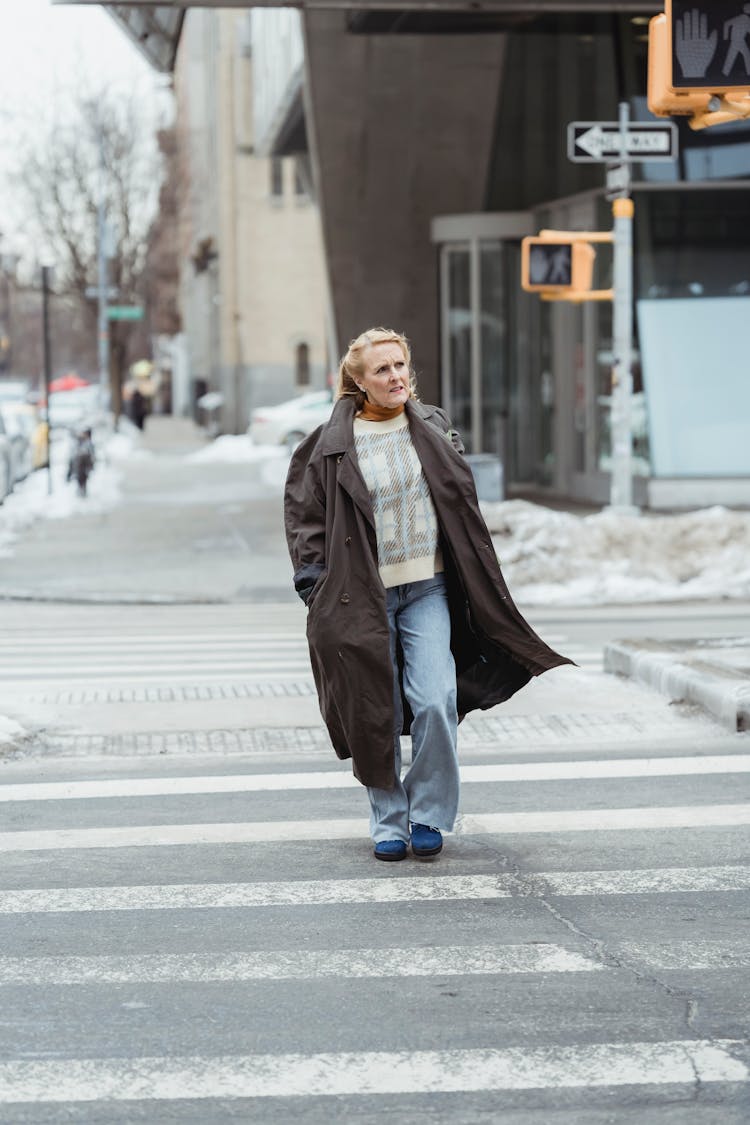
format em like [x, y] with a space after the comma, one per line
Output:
[160, 525]
[712, 673]
[167, 433]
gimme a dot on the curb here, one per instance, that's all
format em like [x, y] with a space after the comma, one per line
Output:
[718, 690]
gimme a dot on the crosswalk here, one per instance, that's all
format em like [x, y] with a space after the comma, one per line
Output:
[129, 986]
[211, 646]
[209, 938]
[104, 651]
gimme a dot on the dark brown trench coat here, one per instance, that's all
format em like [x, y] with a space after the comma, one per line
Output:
[331, 537]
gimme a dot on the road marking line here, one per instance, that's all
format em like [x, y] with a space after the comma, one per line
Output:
[296, 964]
[605, 820]
[306, 964]
[287, 831]
[690, 955]
[327, 892]
[373, 1072]
[335, 779]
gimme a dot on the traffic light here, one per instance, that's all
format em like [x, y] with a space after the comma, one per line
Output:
[699, 61]
[556, 267]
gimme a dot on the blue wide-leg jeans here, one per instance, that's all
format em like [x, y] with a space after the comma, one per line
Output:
[419, 619]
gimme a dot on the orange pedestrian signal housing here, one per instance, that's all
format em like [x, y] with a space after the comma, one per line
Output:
[557, 267]
[699, 61]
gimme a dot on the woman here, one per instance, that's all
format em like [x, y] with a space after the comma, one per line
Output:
[410, 623]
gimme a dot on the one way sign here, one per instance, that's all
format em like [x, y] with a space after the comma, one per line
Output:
[599, 142]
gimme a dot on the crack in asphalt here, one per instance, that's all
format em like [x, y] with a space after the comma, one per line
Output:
[530, 883]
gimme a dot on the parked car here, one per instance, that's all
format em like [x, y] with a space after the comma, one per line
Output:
[73, 409]
[14, 390]
[19, 438]
[6, 463]
[290, 422]
[27, 417]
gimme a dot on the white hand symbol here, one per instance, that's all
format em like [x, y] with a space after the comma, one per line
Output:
[695, 47]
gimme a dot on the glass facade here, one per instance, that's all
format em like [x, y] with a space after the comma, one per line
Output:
[545, 368]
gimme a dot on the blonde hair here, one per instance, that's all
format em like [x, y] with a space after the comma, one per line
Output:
[352, 366]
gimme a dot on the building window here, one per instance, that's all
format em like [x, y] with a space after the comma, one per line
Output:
[302, 365]
[277, 178]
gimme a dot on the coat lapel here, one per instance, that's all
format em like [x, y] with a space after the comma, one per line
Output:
[338, 446]
[443, 466]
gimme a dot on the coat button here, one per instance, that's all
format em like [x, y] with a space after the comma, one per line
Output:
[340, 458]
[348, 540]
[345, 599]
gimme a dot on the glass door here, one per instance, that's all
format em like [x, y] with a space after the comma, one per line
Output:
[474, 342]
[457, 336]
[497, 373]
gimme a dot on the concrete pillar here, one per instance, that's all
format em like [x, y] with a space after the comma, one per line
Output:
[401, 129]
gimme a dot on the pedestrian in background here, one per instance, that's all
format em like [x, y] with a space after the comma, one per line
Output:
[410, 624]
[138, 408]
[82, 460]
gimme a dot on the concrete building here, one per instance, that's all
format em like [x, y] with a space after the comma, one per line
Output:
[436, 133]
[253, 293]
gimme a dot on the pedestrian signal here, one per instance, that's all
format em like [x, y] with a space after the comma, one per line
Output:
[556, 268]
[699, 61]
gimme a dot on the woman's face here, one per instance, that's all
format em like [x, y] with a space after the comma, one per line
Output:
[386, 376]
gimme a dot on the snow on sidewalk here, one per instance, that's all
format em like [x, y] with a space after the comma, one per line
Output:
[557, 558]
[11, 733]
[235, 449]
[561, 559]
[32, 500]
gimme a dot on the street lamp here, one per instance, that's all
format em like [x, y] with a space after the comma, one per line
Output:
[46, 284]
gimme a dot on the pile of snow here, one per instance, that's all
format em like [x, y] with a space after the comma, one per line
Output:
[235, 448]
[31, 499]
[555, 558]
[124, 445]
[10, 732]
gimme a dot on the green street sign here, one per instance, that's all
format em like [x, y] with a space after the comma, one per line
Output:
[125, 312]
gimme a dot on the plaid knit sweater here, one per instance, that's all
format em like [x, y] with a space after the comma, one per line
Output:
[405, 520]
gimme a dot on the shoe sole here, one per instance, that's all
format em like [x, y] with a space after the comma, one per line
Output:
[389, 858]
[427, 851]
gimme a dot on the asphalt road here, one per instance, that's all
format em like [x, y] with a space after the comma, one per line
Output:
[193, 927]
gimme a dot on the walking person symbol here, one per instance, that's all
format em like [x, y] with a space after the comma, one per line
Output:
[737, 31]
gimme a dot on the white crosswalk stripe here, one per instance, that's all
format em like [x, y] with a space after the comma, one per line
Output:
[698, 765]
[298, 964]
[327, 892]
[386, 1072]
[281, 831]
[304, 964]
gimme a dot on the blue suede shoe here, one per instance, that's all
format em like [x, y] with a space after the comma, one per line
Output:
[425, 840]
[390, 850]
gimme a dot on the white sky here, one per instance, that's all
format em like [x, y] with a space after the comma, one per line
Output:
[45, 46]
[48, 50]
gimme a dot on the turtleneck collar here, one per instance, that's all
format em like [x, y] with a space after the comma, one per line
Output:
[371, 412]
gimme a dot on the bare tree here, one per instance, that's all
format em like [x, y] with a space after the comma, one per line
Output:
[103, 150]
